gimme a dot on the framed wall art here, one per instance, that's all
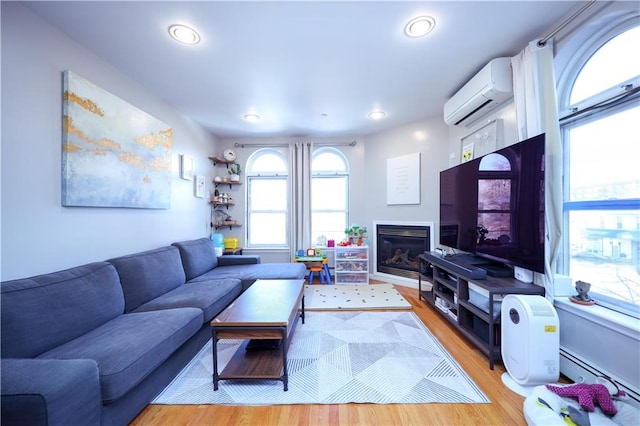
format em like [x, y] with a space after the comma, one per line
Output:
[113, 154]
[186, 167]
[403, 179]
[200, 186]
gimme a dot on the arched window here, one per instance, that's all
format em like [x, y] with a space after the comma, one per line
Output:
[329, 194]
[267, 175]
[601, 138]
[607, 68]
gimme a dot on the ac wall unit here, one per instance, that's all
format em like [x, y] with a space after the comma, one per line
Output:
[489, 88]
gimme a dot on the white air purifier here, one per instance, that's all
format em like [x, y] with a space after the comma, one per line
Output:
[530, 336]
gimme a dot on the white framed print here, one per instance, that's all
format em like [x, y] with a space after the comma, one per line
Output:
[199, 188]
[403, 179]
[186, 167]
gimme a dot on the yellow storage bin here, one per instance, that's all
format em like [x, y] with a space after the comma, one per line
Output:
[231, 243]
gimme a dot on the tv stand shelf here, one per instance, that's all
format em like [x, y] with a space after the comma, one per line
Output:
[470, 304]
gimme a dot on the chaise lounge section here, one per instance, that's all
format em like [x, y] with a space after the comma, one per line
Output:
[201, 264]
[96, 343]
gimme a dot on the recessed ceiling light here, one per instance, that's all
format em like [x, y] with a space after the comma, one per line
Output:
[252, 118]
[184, 34]
[420, 26]
[376, 115]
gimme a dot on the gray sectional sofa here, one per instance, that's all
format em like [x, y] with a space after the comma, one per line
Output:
[94, 344]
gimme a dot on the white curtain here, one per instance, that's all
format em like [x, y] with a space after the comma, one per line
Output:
[300, 218]
[534, 88]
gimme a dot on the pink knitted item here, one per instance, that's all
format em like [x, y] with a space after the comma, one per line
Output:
[586, 394]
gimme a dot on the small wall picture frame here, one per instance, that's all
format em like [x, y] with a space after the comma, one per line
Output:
[186, 167]
[199, 186]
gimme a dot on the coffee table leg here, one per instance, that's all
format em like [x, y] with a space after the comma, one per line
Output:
[302, 314]
[285, 372]
[214, 343]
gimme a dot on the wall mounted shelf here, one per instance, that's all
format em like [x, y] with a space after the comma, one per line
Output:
[217, 184]
[217, 160]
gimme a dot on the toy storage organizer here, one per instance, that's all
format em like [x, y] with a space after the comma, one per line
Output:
[352, 265]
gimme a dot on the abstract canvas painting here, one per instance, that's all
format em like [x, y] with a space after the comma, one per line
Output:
[113, 154]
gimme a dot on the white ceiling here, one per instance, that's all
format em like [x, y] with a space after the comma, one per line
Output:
[291, 62]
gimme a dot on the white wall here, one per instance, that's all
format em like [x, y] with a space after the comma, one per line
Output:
[38, 234]
[428, 137]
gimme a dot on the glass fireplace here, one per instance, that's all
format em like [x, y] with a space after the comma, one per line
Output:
[397, 247]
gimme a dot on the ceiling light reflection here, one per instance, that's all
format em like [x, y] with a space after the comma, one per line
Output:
[252, 118]
[376, 115]
[184, 34]
[420, 26]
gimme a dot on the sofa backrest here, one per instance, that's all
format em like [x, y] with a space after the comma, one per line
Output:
[198, 256]
[148, 274]
[45, 311]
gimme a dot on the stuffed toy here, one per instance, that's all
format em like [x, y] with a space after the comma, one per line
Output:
[587, 395]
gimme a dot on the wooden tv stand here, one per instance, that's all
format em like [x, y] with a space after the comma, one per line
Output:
[478, 321]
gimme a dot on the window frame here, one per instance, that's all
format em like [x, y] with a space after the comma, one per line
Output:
[250, 177]
[582, 113]
[331, 174]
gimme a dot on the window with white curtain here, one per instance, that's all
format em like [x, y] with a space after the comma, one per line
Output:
[601, 139]
[329, 194]
[267, 174]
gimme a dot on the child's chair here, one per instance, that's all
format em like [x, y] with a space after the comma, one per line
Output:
[319, 268]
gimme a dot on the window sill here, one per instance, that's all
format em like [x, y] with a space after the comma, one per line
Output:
[608, 318]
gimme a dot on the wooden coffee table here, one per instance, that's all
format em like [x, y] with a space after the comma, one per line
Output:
[266, 312]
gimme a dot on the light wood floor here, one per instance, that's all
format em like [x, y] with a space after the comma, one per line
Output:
[505, 408]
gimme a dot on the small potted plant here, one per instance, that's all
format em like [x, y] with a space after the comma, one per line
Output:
[235, 172]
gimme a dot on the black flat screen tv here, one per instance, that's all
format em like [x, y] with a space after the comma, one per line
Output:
[493, 206]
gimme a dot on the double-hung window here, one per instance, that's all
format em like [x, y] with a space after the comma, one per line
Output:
[329, 194]
[267, 199]
[601, 137]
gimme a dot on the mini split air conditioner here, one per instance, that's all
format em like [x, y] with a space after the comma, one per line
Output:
[489, 88]
[530, 342]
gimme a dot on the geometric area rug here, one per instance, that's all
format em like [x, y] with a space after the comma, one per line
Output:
[339, 358]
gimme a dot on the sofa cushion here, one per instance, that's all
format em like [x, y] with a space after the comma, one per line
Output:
[210, 296]
[45, 311]
[249, 273]
[198, 256]
[149, 274]
[130, 347]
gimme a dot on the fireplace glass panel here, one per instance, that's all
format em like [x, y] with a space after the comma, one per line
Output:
[398, 248]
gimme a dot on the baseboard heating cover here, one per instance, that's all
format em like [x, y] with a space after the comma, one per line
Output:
[575, 368]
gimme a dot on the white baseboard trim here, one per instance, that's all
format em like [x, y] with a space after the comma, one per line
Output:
[394, 279]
